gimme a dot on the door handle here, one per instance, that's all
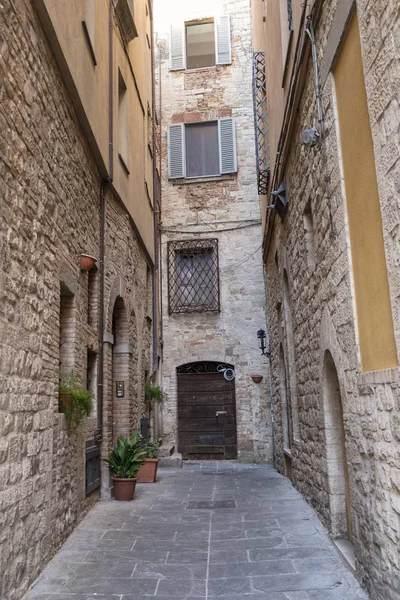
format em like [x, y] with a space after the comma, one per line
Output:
[220, 412]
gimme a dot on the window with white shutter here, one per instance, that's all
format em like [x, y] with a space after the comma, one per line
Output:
[177, 48]
[202, 149]
[176, 143]
[227, 146]
[200, 44]
[223, 40]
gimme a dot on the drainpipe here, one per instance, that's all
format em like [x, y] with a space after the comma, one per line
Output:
[160, 199]
[100, 382]
[155, 202]
[110, 95]
[103, 211]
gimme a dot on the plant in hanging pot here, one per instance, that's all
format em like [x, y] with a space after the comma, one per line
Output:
[154, 394]
[73, 400]
[148, 471]
[125, 460]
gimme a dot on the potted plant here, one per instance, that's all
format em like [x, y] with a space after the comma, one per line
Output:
[154, 394]
[148, 471]
[124, 460]
[73, 400]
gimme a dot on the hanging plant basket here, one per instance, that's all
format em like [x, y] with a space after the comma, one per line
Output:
[256, 378]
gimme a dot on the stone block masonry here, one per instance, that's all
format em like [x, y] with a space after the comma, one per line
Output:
[49, 214]
[226, 208]
[323, 314]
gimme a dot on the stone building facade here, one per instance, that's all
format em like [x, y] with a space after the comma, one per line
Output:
[212, 276]
[57, 194]
[332, 268]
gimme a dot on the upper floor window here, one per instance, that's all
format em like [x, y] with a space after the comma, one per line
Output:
[198, 44]
[286, 16]
[202, 149]
[89, 26]
[193, 280]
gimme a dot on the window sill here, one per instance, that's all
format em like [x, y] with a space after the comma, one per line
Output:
[384, 376]
[200, 69]
[89, 42]
[123, 164]
[197, 180]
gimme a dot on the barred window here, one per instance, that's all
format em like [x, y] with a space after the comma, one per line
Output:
[193, 279]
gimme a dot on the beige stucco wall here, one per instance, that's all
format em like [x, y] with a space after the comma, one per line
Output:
[89, 85]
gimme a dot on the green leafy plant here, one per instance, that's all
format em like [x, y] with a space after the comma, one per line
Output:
[127, 456]
[74, 401]
[151, 449]
[155, 394]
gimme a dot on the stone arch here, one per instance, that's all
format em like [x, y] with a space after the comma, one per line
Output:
[290, 355]
[118, 289]
[336, 456]
[121, 371]
[285, 401]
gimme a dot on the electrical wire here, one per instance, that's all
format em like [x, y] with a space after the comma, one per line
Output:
[233, 266]
[243, 226]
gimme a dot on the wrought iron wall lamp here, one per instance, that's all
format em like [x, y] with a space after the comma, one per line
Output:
[261, 335]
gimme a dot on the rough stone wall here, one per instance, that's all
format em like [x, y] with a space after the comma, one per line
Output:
[203, 210]
[49, 214]
[322, 305]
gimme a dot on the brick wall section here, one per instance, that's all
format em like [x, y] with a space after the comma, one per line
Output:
[49, 214]
[231, 335]
[323, 315]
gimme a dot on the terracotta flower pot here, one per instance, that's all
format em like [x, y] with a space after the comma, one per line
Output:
[148, 471]
[256, 378]
[87, 262]
[124, 489]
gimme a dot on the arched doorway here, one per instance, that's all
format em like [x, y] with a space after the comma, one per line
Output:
[286, 414]
[206, 411]
[121, 413]
[336, 458]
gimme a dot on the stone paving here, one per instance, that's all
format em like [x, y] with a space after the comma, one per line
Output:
[207, 531]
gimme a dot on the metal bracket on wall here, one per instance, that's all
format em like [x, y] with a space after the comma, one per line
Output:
[261, 122]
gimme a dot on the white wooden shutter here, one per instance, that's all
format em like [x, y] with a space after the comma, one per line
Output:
[176, 151]
[227, 145]
[177, 48]
[223, 40]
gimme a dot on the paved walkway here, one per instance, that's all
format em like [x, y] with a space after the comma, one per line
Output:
[259, 540]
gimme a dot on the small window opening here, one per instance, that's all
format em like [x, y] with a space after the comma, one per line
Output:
[91, 371]
[93, 297]
[309, 236]
[67, 331]
[200, 45]
[123, 120]
[202, 149]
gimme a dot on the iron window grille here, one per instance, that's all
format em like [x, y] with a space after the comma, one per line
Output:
[193, 276]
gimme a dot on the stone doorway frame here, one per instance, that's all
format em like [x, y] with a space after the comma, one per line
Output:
[341, 524]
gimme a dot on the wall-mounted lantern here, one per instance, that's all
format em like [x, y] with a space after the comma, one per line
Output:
[261, 342]
[280, 203]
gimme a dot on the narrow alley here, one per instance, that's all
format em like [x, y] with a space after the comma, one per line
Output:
[210, 530]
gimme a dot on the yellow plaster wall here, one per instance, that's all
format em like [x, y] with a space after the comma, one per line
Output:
[374, 314]
[92, 87]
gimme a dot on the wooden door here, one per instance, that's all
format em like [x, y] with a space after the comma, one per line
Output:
[206, 416]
